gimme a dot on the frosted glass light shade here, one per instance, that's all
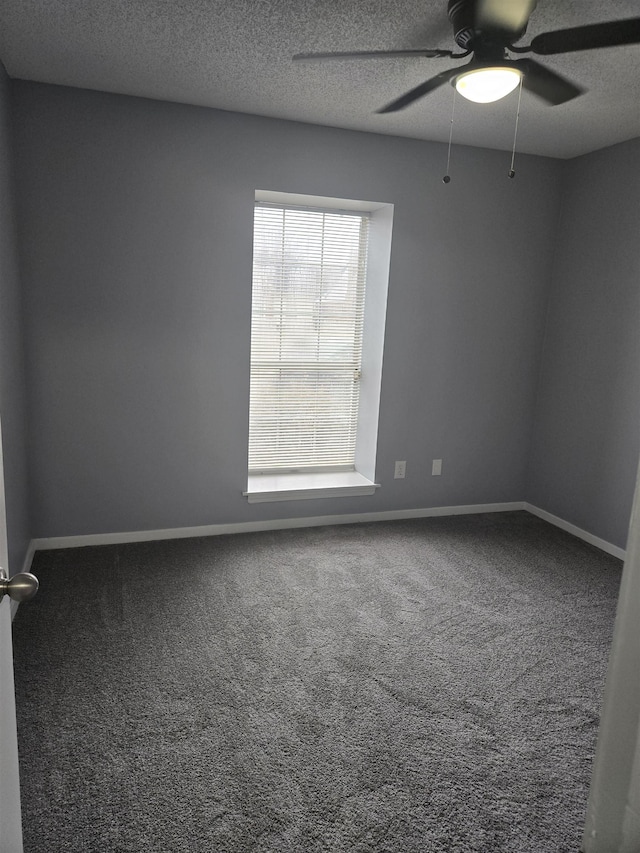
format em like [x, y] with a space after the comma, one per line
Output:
[484, 85]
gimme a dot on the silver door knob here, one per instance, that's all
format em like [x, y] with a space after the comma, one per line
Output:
[20, 587]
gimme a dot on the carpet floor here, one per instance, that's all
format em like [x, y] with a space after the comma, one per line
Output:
[431, 685]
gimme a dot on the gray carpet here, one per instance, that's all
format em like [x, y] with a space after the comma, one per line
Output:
[428, 685]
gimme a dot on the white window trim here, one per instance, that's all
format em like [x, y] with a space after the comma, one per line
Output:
[263, 488]
[294, 486]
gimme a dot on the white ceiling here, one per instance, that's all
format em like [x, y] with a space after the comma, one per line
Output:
[236, 55]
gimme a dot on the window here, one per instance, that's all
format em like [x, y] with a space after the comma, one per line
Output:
[316, 345]
[309, 269]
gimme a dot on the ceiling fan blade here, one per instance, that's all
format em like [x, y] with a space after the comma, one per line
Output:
[419, 91]
[588, 37]
[509, 16]
[370, 54]
[546, 83]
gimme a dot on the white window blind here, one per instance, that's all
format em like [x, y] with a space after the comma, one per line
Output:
[309, 269]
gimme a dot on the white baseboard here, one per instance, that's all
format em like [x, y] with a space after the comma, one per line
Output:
[274, 524]
[620, 553]
[28, 557]
[56, 542]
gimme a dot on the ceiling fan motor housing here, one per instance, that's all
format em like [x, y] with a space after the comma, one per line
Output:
[463, 14]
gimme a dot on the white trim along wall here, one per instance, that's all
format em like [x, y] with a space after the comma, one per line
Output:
[313, 521]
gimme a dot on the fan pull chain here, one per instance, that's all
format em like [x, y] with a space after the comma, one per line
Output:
[515, 133]
[447, 177]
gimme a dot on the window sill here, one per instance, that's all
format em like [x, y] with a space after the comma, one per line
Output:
[299, 487]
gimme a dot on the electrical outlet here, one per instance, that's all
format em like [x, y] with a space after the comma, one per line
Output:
[436, 468]
[400, 471]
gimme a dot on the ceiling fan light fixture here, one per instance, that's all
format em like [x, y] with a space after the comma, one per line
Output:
[487, 84]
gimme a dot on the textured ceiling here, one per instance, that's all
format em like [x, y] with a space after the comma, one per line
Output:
[236, 55]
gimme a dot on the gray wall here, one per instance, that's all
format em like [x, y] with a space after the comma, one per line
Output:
[12, 393]
[587, 430]
[136, 231]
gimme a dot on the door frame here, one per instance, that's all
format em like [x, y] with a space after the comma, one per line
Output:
[10, 810]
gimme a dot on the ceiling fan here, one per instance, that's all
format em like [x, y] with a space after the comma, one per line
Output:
[487, 30]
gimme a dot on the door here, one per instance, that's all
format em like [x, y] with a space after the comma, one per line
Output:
[10, 822]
